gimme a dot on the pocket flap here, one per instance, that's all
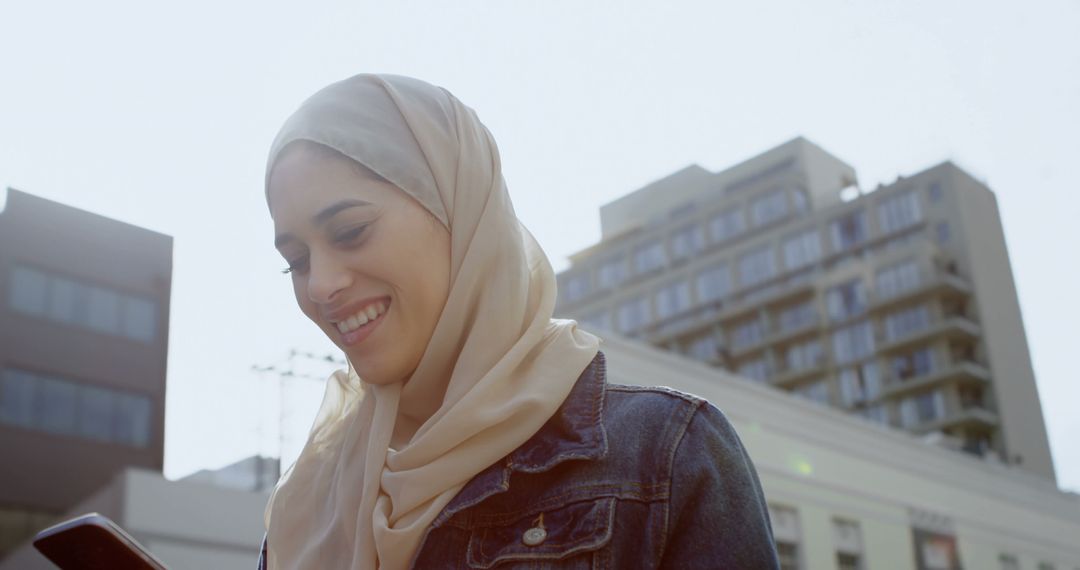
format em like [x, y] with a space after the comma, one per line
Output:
[570, 529]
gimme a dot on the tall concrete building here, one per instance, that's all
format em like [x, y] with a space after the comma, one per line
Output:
[84, 321]
[897, 304]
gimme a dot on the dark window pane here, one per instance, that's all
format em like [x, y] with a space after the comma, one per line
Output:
[95, 413]
[132, 419]
[57, 405]
[29, 291]
[17, 395]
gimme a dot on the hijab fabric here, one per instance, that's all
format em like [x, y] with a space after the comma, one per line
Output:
[497, 366]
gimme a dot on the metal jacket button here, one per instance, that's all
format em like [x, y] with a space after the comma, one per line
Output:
[536, 534]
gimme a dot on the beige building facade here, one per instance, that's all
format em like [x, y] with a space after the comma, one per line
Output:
[897, 304]
[847, 493]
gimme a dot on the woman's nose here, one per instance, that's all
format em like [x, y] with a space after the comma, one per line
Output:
[326, 278]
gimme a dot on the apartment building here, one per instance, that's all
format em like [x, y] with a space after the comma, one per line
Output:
[84, 321]
[896, 304]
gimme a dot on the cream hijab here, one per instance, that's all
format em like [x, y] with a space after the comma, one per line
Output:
[497, 366]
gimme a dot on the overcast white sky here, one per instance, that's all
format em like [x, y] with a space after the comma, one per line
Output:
[160, 114]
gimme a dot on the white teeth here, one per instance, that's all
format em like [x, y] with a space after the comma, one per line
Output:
[361, 318]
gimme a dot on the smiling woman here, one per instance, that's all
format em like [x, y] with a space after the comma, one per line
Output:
[471, 429]
[368, 265]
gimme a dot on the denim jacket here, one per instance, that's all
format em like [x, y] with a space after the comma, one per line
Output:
[620, 477]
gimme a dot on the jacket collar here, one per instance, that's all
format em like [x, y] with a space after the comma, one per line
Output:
[575, 431]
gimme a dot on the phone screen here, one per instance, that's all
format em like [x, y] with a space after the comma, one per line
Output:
[91, 547]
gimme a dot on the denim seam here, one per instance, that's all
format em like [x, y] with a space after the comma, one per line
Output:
[560, 501]
[691, 412]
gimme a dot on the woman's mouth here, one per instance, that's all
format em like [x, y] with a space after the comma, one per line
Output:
[357, 327]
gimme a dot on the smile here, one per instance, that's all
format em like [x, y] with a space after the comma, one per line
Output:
[359, 326]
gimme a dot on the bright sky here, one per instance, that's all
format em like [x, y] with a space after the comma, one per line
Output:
[161, 114]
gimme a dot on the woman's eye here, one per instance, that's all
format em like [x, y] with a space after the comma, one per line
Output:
[297, 265]
[350, 235]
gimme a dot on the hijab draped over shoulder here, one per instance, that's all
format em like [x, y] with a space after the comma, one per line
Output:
[497, 366]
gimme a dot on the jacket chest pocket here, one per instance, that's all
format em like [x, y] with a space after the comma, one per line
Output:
[568, 537]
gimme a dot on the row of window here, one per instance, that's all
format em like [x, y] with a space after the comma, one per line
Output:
[60, 406]
[799, 250]
[787, 532]
[934, 550]
[100, 309]
[843, 301]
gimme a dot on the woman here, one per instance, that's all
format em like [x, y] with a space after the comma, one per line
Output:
[471, 430]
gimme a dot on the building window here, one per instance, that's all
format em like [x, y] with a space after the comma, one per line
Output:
[806, 355]
[633, 315]
[714, 283]
[687, 242]
[649, 257]
[1009, 562]
[853, 343]
[913, 364]
[876, 413]
[922, 408]
[802, 250]
[816, 391]
[612, 272]
[28, 291]
[757, 266]
[847, 539]
[63, 407]
[799, 200]
[758, 370]
[577, 287]
[673, 299]
[936, 551]
[99, 309]
[599, 320]
[897, 279]
[849, 231]
[798, 316]
[768, 208]
[943, 232]
[860, 384]
[726, 225]
[788, 536]
[899, 212]
[748, 334]
[846, 300]
[935, 192]
[139, 319]
[705, 348]
[906, 322]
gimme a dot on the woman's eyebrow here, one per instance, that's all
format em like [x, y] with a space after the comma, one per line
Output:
[329, 212]
[323, 216]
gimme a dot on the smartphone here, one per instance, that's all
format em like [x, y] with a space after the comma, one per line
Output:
[93, 542]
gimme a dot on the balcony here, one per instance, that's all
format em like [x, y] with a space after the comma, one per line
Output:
[970, 417]
[789, 377]
[755, 298]
[939, 283]
[952, 327]
[797, 332]
[960, 373]
[689, 321]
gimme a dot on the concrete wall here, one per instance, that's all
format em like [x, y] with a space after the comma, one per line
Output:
[189, 526]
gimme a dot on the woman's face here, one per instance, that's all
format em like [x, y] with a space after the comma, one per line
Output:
[369, 265]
